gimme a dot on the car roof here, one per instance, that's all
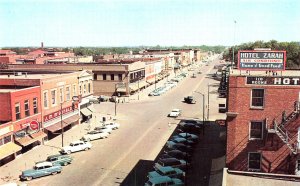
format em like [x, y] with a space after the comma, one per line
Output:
[160, 179]
[168, 159]
[77, 141]
[45, 163]
[165, 169]
[176, 110]
[55, 155]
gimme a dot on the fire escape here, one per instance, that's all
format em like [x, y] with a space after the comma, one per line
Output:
[279, 127]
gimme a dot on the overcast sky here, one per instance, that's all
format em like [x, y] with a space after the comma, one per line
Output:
[147, 22]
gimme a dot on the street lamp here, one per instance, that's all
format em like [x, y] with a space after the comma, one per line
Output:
[233, 45]
[61, 125]
[203, 105]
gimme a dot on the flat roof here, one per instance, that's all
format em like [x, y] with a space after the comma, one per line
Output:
[29, 76]
[9, 90]
[236, 72]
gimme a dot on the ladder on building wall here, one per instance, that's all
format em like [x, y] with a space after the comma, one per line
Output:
[283, 133]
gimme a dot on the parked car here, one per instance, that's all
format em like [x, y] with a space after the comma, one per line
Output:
[39, 170]
[175, 113]
[103, 129]
[76, 146]
[166, 171]
[173, 162]
[189, 127]
[58, 159]
[112, 125]
[189, 99]
[176, 154]
[94, 99]
[164, 180]
[94, 134]
[181, 140]
[188, 136]
[104, 98]
[179, 146]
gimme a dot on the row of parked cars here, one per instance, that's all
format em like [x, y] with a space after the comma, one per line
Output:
[53, 164]
[171, 166]
[168, 85]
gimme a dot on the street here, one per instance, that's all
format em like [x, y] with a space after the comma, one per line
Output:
[144, 131]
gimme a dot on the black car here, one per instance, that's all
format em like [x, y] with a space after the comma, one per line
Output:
[173, 162]
[180, 146]
[176, 154]
[190, 128]
[190, 100]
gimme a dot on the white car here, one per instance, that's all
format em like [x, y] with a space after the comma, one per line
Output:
[175, 113]
[112, 125]
[104, 129]
[76, 146]
[94, 134]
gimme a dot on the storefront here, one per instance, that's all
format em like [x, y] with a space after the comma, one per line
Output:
[85, 113]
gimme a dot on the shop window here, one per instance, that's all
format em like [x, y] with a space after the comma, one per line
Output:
[17, 109]
[80, 91]
[254, 161]
[45, 99]
[7, 139]
[53, 97]
[257, 98]
[112, 77]
[26, 108]
[256, 129]
[35, 106]
[68, 94]
[120, 77]
[104, 76]
[84, 89]
[89, 87]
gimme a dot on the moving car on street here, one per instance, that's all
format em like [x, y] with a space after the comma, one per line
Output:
[76, 146]
[189, 99]
[39, 170]
[175, 113]
[95, 134]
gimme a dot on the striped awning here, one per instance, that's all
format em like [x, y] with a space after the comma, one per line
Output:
[29, 139]
[57, 126]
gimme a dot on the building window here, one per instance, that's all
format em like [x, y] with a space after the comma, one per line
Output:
[89, 87]
[61, 95]
[45, 99]
[17, 109]
[5, 140]
[35, 106]
[254, 160]
[256, 129]
[120, 77]
[68, 94]
[112, 77]
[80, 91]
[26, 108]
[95, 76]
[53, 97]
[74, 90]
[104, 76]
[257, 98]
[84, 89]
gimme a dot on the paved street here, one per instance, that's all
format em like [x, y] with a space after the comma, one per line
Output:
[143, 132]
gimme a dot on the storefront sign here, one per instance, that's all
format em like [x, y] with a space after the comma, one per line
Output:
[273, 81]
[34, 125]
[261, 60]
[57, 113]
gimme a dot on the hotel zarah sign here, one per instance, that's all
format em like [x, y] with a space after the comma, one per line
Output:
[273, 81]
[261, 60]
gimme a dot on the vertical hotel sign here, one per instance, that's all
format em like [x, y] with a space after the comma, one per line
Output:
[261, 60]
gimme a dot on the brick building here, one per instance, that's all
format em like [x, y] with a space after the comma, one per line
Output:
[20, 120]
[263, 123]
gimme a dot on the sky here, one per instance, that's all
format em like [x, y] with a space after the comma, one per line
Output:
[71, 23]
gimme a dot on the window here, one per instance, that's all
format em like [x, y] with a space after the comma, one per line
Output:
[254, 160]
[80, 91]
[120, 77]
[74, 90]
[35, 106]
[95, 76]
[256, 129]
[61, 94]
[53, 97]
[89, 87]
[84, 89]
[17, 109]
[68, 94]
[7, 139]
[257, 98]
[26, 108]
[104, 76]
[45, 99]
[112, 77]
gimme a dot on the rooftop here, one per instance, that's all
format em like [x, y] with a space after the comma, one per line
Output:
[28, 76]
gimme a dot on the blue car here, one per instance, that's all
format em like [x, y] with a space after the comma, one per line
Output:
[39, 170]
[164, 180]
[166, 171]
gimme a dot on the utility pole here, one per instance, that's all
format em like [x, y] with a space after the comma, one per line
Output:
[61, 125]
[139, 89]
[232, 63]
[115, 99]
[208, 101]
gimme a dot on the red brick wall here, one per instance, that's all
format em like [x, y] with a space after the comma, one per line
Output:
[275, 153]
[5, 108]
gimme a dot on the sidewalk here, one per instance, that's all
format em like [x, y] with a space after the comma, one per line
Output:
[10, 172]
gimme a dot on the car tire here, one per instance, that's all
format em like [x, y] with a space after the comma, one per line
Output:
[54, 173]
[28, 178]
[68, 152]
[86, 149]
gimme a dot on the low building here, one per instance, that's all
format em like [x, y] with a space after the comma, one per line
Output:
[263, 123]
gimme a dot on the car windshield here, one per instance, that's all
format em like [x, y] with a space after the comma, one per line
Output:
[93, 132]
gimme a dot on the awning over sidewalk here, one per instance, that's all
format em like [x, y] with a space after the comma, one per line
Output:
[133, 87]
[27, 140]
[151, 81]
[66, 122]
[121, 89]
[8, 149]
[86, 111]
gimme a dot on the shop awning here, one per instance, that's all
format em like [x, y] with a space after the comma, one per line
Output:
[8, 149]
[133, 87]
[91, 108]
[27, 140]
[143, 84]
[86, 111]
[151, 81]
[66, 122]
